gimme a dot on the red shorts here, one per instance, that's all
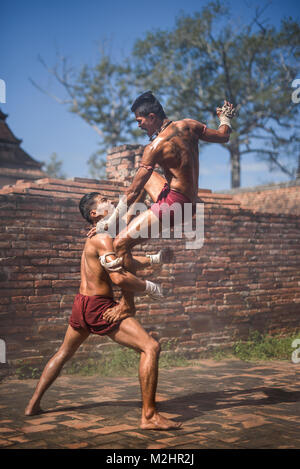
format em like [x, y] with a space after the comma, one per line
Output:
[169, 197]
[87, 312]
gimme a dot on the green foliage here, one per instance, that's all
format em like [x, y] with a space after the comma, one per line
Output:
[53, 167]
[264, 347]
[171, 355]
[124, 362]
[121, 361]
[207, 57]
[97, 165]
[24, 371]
[101, 96]
[258, 346]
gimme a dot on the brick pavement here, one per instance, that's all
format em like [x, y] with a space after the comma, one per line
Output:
[228, 404]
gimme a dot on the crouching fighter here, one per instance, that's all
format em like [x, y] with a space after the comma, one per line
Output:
[94, 311]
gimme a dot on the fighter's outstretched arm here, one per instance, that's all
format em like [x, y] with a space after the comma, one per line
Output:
[222, 134]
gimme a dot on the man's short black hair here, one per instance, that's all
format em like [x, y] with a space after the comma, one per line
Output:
[147, 103]
[86, 204]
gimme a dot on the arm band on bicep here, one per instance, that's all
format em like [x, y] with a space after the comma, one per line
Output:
[112, 266]
[204, 130]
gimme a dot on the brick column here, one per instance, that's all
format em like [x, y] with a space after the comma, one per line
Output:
[122, 162]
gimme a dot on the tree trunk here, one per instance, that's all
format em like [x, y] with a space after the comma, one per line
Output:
[235, 165]
[298, 170]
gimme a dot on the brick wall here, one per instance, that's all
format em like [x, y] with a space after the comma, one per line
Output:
[42, 236]
[245, 276]
[122, 162]
[273, 198]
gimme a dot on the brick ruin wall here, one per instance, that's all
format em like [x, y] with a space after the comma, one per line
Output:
[271, 198]
[246, 275]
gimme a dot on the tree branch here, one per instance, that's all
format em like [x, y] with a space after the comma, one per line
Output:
[227, 76]
[53, 96]
[272, 158]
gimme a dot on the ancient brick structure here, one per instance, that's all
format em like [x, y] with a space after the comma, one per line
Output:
[273, 198]
[122, 162]
[245, 276]
[15, 163]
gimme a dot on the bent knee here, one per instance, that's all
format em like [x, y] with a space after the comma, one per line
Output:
[152, 346]
[65, 354]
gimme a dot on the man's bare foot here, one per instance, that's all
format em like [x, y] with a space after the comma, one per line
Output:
[158, 422]
[33, 410]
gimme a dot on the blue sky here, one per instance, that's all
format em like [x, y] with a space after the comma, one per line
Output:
[75, 28]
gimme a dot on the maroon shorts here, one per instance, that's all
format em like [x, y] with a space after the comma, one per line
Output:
[87, 312]
[166, 198]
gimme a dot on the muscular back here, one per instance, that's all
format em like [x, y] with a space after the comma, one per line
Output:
[177, 153]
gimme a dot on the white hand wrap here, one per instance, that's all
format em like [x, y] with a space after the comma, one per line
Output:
[104, 225]
[112, 266]
[224, 120]
[154, 290]
[155, 258]
[227, 113]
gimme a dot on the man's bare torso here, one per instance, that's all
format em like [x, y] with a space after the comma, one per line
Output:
[178, 155]
[94, 279]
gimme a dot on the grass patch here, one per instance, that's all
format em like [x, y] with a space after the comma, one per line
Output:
[258, 347]
[118, 362]
[265, 347]
[121, 361]
[24, 371]
[172, 356]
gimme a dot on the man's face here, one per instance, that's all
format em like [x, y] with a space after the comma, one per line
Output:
[148, 123]
[104, 206]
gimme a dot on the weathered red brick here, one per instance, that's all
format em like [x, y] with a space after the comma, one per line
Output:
[246, 271]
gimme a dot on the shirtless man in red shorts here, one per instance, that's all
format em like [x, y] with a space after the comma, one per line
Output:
[174, 147]
[94, 311]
